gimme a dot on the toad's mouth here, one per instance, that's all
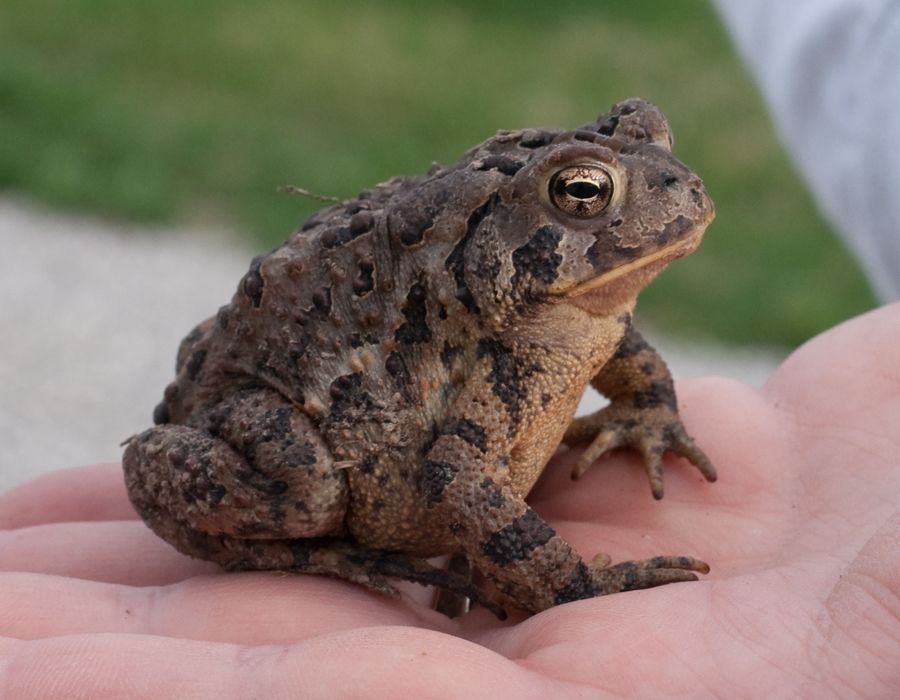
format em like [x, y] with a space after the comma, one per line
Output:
[670, 252]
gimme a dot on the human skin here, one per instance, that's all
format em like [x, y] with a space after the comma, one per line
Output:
[802, 532]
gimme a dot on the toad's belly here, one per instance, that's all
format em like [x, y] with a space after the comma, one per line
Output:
[393, 516]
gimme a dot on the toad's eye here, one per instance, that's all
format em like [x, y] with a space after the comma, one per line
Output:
[581, 190]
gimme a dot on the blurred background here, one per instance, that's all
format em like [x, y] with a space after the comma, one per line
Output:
[154, 120]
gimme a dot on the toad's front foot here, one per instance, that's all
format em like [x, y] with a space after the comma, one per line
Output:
[646, 573]
[652, 431]
[599, 578]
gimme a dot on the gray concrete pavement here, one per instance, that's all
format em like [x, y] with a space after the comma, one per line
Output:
[91, 314]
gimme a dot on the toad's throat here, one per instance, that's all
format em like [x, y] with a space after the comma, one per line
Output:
[670, 252]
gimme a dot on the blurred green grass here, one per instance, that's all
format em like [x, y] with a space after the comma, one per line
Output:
[195, 113]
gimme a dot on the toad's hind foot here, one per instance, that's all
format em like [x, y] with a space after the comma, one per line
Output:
[458, 584]
[371, 568]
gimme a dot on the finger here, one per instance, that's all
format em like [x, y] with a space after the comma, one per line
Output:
[653, 467]
[115, 551]
[371, 662]
[602, 443]
[686, 447]
[682, 444]
[246, 608]
[78, 494]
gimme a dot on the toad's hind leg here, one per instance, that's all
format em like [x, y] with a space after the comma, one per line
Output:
[252, 486]
[250, 466]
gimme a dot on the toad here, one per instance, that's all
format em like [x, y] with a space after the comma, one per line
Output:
[388, 384]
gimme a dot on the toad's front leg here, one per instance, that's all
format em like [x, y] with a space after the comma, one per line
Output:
[465, 483]
[642, 414]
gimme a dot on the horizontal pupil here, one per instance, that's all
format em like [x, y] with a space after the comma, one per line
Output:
[582, 190]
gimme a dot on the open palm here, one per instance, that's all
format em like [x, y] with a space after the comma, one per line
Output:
[802, 532]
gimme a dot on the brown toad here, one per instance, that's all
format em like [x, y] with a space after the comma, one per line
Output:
[388, 384]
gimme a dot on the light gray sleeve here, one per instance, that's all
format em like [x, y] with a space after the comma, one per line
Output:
[830, 71]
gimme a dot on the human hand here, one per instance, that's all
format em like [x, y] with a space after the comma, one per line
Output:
[802, 532]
